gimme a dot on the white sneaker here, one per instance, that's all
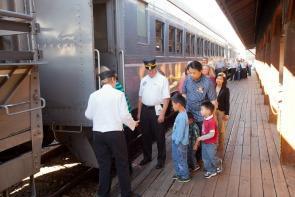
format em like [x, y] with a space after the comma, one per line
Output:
[208, 175]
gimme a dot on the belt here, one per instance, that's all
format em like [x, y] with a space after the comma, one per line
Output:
[148, 107]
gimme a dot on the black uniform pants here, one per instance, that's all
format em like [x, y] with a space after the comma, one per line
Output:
[108, 145]
[151, 129]
[233, 72]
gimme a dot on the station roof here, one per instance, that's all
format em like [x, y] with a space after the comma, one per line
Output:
[249, 17]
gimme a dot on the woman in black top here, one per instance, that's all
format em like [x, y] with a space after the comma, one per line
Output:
[222, 112]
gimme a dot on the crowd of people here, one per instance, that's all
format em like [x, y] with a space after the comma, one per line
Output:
[202, 104]
[235, 69]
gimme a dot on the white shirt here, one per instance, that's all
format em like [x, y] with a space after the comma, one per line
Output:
[219, 64]
[107, 108]
[154, 90]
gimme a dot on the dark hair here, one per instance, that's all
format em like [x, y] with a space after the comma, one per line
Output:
[195, 65]
[107, 74]
[208, 105]
[178, 98]
[186, 70]
[190, 116]
[223, 75]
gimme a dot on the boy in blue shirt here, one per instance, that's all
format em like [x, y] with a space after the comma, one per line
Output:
[180, 140]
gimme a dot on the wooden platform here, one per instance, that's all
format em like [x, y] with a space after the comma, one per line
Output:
[251, 159]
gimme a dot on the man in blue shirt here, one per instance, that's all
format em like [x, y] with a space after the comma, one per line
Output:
[198, 89]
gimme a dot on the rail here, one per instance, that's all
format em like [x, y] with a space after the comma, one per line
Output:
[6, 76]
[98, 65]
[6, 107]
[74, 182]
[66, 131]
[123, 67]
[6, 13]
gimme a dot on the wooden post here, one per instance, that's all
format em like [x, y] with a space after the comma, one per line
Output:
[272, 118]
[287, 114]
[266, 99]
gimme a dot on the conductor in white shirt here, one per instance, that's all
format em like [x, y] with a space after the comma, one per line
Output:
[107, 108]
[153, 102]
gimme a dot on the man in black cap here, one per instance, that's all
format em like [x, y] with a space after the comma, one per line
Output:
[153, 102]
[107, 108]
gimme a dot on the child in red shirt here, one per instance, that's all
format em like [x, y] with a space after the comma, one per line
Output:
[209, 141]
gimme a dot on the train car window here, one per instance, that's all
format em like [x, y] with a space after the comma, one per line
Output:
[179, 41]
[142, 22]
[193, 40]
[208, 48]
[188, 43]
[198, 46]
[159, 36]
[205, 48]
[201, 47]
[218, 50]
[171, 39]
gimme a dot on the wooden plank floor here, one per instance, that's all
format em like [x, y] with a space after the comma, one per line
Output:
[251, 159]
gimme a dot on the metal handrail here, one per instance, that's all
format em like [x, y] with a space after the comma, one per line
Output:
[6, 107]
[6, 75]
[123, 67]
[6, 13]
[98, 65]
[65, 131]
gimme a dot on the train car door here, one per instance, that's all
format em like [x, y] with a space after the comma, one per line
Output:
[107, 25]
[67, 42]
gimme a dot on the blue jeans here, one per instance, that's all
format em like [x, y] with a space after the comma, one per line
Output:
[179, 156]
[209, 157]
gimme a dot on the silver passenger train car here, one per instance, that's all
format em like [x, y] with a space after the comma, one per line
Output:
[78, 38]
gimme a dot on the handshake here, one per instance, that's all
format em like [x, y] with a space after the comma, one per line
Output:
[136, 123]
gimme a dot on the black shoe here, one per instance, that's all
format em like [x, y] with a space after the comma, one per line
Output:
[159, 166]
[130, 169]
[135, 195]
[144, 161]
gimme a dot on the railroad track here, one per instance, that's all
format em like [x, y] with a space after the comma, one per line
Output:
[68, 186]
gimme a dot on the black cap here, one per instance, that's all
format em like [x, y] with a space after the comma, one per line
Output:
[149, 63]
[107, 74]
